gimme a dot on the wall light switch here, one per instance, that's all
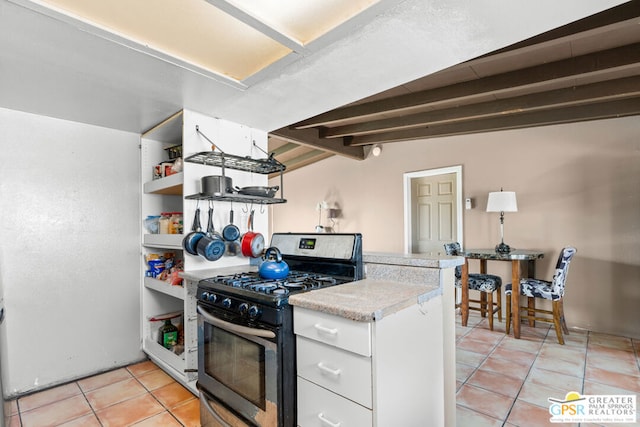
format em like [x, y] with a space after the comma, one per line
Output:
[468, 203]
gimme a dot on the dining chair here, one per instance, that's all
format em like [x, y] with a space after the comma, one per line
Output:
[486, 284]
[543, 289]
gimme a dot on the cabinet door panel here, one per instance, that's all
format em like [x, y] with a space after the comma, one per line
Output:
[333, 330]
[340, 371]
[318, 407]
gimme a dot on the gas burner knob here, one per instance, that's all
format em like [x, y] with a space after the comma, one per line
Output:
[226, 303]
[204, 296]
[243, 309]
[213, 297]
[254, 312]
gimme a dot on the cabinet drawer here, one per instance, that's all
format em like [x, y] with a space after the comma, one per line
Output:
[333, 330]
[318, 407]
[345, 373]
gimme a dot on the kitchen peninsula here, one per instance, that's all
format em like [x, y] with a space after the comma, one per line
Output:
[372, 346]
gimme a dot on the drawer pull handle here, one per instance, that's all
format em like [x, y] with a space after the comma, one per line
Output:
[326, 421]
[335, 372]
[331, 331]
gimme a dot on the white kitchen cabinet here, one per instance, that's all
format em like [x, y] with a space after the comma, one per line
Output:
[180, 192]
[385, 372]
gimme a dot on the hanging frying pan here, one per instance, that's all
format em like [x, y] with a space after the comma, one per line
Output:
[231, 235]
[190, 241]
[231, 232]
[252, 243]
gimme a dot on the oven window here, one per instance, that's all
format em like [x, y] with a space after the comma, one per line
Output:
[237, 363]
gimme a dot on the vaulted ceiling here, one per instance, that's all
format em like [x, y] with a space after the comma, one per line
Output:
[586, 70]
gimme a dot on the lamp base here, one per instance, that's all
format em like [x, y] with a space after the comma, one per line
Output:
[503, 248]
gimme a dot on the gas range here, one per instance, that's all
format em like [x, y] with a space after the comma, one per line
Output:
[246, 344]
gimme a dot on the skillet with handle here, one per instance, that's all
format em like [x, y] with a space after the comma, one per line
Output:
[231, 234]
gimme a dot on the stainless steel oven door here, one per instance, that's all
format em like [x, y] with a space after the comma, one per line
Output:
[238, 366]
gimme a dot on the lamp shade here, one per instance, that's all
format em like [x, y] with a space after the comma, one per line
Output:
[502, 201]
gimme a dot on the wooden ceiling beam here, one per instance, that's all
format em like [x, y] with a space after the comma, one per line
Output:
[566, 97]
[596, 111]
[310, 138]
[540, 75]
[304, 160]
[289, 146]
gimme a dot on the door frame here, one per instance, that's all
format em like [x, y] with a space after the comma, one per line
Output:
[407, 177]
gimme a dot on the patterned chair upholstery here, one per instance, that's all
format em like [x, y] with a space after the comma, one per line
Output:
[487, 284]
[550, 290]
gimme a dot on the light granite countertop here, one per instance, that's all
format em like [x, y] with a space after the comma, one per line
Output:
[365, 300]
[412, 260]
[397, 282]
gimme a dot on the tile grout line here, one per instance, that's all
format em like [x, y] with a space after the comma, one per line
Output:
[586, 353]
[636, 351]
[504, 422]
[168, 410]
[149, 392]
[477, 367]
[93, 411]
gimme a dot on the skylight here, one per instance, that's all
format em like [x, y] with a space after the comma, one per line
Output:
[235, 39]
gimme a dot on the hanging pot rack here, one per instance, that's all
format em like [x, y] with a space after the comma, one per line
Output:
[217, 157]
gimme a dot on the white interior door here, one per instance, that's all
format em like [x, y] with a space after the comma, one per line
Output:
[432, 214]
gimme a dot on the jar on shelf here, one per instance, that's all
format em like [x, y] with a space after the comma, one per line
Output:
[151, 223]
[164, 221]
[175, 223]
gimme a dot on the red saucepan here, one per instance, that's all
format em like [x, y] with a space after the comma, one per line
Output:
[252, 243]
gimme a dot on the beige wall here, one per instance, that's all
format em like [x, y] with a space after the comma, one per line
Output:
[576, 184]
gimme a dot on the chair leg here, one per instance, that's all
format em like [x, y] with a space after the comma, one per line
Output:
[483, 304]
[499, 298]
[562, 321]
[556, 321]
[508, 313]
[531, 313]
[489, 296]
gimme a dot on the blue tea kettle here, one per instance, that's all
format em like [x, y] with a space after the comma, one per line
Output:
[273, 269]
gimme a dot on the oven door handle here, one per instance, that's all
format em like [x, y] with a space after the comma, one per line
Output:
[232, 327]
[214, 414]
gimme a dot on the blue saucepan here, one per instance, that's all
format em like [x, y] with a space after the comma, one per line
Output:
[211, 246]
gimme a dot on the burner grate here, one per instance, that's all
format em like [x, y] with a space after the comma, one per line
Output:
[295, 281]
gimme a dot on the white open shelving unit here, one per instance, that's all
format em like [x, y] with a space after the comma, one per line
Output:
[159, 297]
[179, 193]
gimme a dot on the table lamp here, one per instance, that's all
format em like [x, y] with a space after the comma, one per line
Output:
[502, 201]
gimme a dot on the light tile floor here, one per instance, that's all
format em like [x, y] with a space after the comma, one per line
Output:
[141, 395]
[503, 381]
